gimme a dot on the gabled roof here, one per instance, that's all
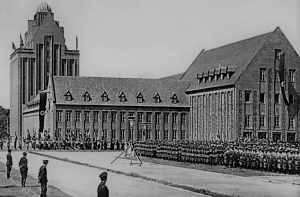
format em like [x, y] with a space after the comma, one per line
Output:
[131, 87]
[233, 57]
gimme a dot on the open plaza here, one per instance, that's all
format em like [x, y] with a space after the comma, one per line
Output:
[77, 174]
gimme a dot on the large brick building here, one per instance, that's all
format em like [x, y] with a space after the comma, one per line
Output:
[232, 91]
[42, 52]
[236, 90]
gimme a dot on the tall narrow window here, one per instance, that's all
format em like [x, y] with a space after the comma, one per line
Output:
[166, 118]
[77, 116]
[157, 118]
[247, 97]
[276, 98]
[262, 121]
[69, 116]
[262, 74]
[96, 116]
[291, 76]
[87, 116]
[59, 116]
[157, 134]
[149, 117]
[291, 122]
[291, 99]
[262, 98]
[174, 118]
[140, 117]
[247, 121]
[122, 134]
[104, 116]
[122, 114]
[183, 134]
[183, 118]
[276, 121]
[114, 116]
[166, 134]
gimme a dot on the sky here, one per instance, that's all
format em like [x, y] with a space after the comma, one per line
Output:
[146, 38]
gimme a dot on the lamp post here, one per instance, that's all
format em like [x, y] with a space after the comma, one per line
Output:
[131, 120]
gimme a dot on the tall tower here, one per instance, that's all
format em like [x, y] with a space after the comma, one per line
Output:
[42, 54]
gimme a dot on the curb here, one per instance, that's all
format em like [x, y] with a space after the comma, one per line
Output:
[138, 176]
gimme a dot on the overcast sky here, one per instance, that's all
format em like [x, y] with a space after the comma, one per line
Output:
[146, 38]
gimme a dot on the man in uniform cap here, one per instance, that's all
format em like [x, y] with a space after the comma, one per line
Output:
[43, 178]
[9, 163]
[23, 164]
[102, 189]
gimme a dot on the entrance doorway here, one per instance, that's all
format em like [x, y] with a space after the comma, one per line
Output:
[276, 137]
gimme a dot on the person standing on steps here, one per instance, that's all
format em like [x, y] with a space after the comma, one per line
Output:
[9, 163]
[23, 164]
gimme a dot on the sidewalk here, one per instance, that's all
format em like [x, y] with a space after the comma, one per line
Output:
[275, 186]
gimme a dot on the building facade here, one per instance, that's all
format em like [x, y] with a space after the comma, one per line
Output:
[237, 91]
[42, 53]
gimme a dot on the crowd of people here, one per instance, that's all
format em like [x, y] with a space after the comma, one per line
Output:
[256, 155]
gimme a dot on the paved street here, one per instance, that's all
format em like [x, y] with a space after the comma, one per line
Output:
[80, 180]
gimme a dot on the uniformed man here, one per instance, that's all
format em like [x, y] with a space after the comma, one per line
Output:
[23, 164]
[43, 178]
[102, 190]
[9, 163]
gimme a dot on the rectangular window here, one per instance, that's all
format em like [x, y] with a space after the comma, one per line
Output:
[59, 116]
[174, 135]
[291, 76]
[148, 134]
[157, 134]
[276, 121]
[105, 134]
[277, 76]
[96, 116]
[262, 98]
[291, 122]
[87, 116]
[77, 114]
[276, 99]
[157, 118]
[69, 116]
[291, 99]
[166, 135]
[247, 121]
[183, 135]
[122, 114]
[174, 118]
[140, 134]
[247, 96]
[122, 134]
[149, 116]
[183, 118]
[262, 74]
[113, 116]
[262, 121]
[166, 118]
[140, 117]
[113, 133]
[104, 116]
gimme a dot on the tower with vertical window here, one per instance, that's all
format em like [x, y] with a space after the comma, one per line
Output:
[42, 53]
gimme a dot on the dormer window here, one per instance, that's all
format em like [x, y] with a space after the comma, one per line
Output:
[104, 97]
[157, 98]
[86, 96]
[122, 97]
[139, 98]
[174, 98]
[199, 78]
[68, 96]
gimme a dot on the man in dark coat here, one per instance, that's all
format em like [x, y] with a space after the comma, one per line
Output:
[23, 164]
[102, 188]
[43, 178]
[9, 163]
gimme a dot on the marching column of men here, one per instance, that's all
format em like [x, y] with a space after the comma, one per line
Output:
[263, 156]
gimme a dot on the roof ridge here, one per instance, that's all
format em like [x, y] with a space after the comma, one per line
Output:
[240, 41]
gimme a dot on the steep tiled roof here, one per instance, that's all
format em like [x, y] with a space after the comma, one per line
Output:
[131, 87]
[235, 56]
[174, 77]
